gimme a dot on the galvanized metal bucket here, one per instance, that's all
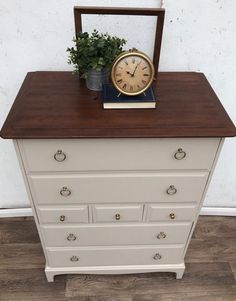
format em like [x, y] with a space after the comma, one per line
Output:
[95, 79]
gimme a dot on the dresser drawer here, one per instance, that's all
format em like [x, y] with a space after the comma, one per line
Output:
[118, 154]
[170, 212]
[112, 256]
[102, 235]
[63, 215]
[117, 213]
[118, 188]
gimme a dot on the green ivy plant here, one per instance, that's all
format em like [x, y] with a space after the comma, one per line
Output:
[95, 51]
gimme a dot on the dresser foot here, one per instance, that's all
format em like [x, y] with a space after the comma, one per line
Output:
[49, 275]
[179, 274]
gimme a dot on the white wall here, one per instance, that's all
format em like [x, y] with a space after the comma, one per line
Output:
[198, 36]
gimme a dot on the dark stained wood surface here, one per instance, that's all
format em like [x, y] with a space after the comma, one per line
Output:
[135, 11]
[58, 105]
[208, 277]
[141, 11]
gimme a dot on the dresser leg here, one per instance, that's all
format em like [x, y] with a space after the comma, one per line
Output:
[179, 274]
[50, 276]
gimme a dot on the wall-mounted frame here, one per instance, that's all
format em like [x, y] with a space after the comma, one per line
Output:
[158, 12]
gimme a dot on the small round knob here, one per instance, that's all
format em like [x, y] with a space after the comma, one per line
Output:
[172, 215]
[65, 191]
[71, 237]
[157, 256]
[62, 218]
[60, 156]
[117, 216]
[74, 258]
[171, 190]
[180, 154]
[161, 235]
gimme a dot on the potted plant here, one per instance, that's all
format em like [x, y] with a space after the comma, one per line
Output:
[93, 56]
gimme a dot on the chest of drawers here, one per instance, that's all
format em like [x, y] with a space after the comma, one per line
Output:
[116, 191]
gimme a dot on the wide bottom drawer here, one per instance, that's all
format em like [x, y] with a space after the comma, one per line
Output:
[113, 256]
[103, 235]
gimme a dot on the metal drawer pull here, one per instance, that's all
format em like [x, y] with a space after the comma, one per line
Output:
[62, 218]
[117, 216]
[60, 156]
[180, 154]
[74, 258]
[161, 235]
[71, 237]
[65, 191]
[172, 215]
[171, 190]
[157, 256]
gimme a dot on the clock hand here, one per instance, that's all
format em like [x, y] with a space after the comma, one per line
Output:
[132, 74]
[129, 73]
[136, 68]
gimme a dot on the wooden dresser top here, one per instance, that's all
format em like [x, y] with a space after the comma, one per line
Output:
[58, 105]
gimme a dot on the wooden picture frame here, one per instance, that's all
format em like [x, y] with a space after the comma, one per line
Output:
[158, 12]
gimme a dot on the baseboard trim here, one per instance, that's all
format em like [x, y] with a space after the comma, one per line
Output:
[16, 212]
[224, 211]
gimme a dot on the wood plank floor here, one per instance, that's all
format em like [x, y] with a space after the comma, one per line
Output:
[209, 276]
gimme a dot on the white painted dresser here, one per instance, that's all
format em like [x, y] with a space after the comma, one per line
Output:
[116, 191]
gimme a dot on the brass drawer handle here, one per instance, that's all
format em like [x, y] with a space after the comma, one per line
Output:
[157, 256]
[171, 190]
[71, 237]
[62, 218]
[65, 191]
[172, 215]
[180, 154]
[117, 216]
[161, 235]
[60, 156]
[74, 258]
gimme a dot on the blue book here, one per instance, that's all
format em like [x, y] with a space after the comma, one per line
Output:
[112, 99]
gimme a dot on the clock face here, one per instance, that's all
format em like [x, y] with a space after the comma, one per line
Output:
[132, 73]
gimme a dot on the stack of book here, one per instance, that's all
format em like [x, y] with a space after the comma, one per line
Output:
[112, 99]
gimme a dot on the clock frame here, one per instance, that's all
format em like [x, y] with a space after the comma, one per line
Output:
[124, 69]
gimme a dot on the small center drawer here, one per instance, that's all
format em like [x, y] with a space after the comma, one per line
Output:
[117, 213]
[63, 215]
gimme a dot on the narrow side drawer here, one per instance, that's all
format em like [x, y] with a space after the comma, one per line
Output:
[170, 212]
[63, 215]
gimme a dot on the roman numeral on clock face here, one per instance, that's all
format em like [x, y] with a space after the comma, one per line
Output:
[144, 82]
[120, 81]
